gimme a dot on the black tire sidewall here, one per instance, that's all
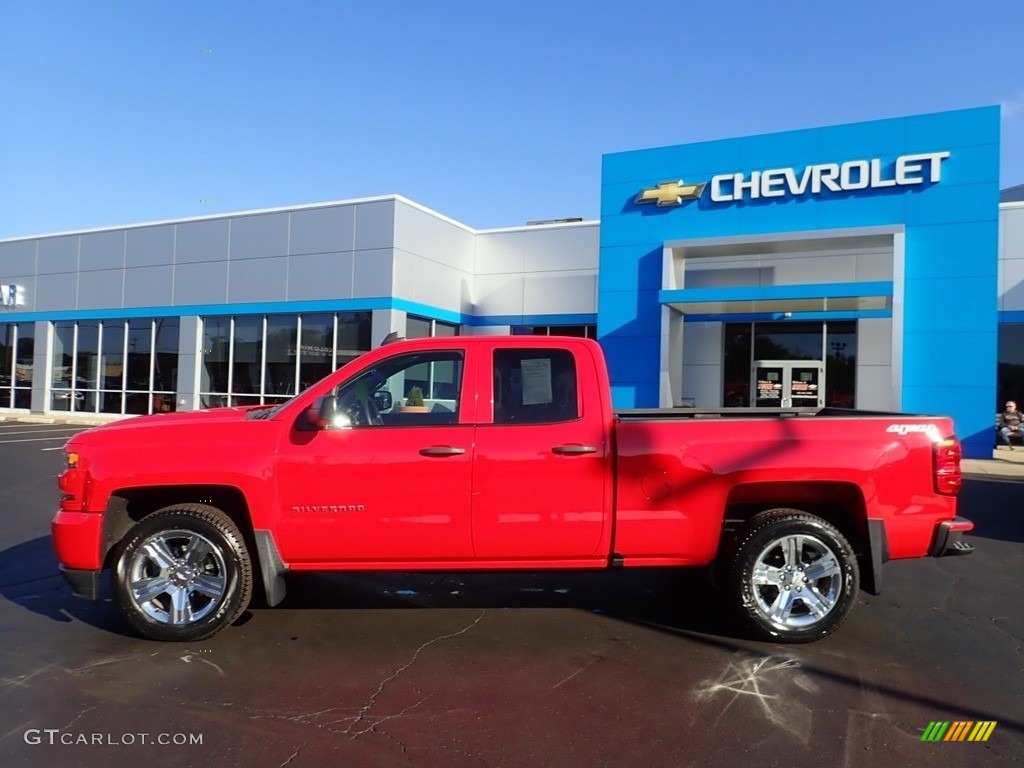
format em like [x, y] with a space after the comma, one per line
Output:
[763, 531]
[222, 534]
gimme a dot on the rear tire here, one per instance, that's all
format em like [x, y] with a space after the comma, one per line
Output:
[183, 574]
[793, 575]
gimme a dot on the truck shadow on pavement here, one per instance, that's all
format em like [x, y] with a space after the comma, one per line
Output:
[996, 506]
[674, 597]
[682, 600]
[30, 578]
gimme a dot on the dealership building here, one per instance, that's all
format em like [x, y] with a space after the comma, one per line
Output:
[870, 265]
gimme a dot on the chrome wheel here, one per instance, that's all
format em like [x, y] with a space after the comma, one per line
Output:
[177, 577]
[794, 575]
[183, 573]
[796, 581]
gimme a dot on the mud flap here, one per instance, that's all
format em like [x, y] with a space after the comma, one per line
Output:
[871, 562]
[272, 567]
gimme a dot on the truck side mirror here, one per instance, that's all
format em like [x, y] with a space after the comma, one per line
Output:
[324, 414]
[383, 400]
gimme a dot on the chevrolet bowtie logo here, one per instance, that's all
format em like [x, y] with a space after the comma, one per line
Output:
[670, 193]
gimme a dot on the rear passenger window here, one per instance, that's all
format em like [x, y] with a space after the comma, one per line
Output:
[534, 386]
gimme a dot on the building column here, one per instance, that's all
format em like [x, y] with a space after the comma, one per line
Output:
[383, 322]
[671, 375]
[189, 362]
[41, 372]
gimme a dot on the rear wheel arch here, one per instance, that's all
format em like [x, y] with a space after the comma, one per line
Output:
[840, 504]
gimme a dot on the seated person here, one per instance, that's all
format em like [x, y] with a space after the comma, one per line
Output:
[1008, 424]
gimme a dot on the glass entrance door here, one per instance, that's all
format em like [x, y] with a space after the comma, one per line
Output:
[788, 384]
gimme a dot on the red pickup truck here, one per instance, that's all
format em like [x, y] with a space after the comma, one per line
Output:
[473, 453]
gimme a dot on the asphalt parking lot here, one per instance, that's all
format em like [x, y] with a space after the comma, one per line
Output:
[605, 669]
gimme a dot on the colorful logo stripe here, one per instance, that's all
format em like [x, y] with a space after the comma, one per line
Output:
[982, 730]
[958, 730]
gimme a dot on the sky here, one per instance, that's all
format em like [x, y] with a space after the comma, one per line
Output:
[493, 114]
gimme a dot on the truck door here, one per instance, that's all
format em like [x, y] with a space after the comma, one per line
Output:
[542, 460]
[392, 482]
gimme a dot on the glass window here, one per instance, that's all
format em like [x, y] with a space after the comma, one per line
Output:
[788, 341]
[23, 365]
[1010, 377]
[745, 342]
[534, 386]
[140, 358]
[424, 327]
[445, 329]
[417, 328]
[578, 331]
[435, 381]
[83, 377]
[737, 341]
[444, 381]
[316, 351]
[62, 365]
[112, 371]
[87, 360]
[165, 367]
[384, 396]
[216, 354]
[8, 333]
[25, 355]
[280, 357]
[165, 363]
[269, 360]
[106, 366]
[62, 353]
[353, 336]
[248, 356]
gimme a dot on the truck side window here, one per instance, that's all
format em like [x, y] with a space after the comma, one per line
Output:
[419, 389]
[534, 386]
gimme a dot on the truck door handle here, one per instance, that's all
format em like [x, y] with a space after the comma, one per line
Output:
[573, 450]
[442, 450]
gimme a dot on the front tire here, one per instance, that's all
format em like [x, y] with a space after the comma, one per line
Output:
[183, 574]
[795, 576]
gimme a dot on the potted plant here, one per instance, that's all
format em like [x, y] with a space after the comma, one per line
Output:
[414, 402]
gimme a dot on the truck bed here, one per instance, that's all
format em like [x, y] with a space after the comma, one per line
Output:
[636, 414]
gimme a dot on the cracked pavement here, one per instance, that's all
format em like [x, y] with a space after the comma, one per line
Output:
[452, 670]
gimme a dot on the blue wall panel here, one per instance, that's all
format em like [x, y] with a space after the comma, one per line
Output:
[972, 241]
[940, 305]
[878, 210]
[951, 238]
[928, 366]
[953, 204]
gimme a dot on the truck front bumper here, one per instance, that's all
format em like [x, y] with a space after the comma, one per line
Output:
[76, 540]
[949, 538]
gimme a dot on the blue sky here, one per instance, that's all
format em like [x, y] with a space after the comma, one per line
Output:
[493, 114]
